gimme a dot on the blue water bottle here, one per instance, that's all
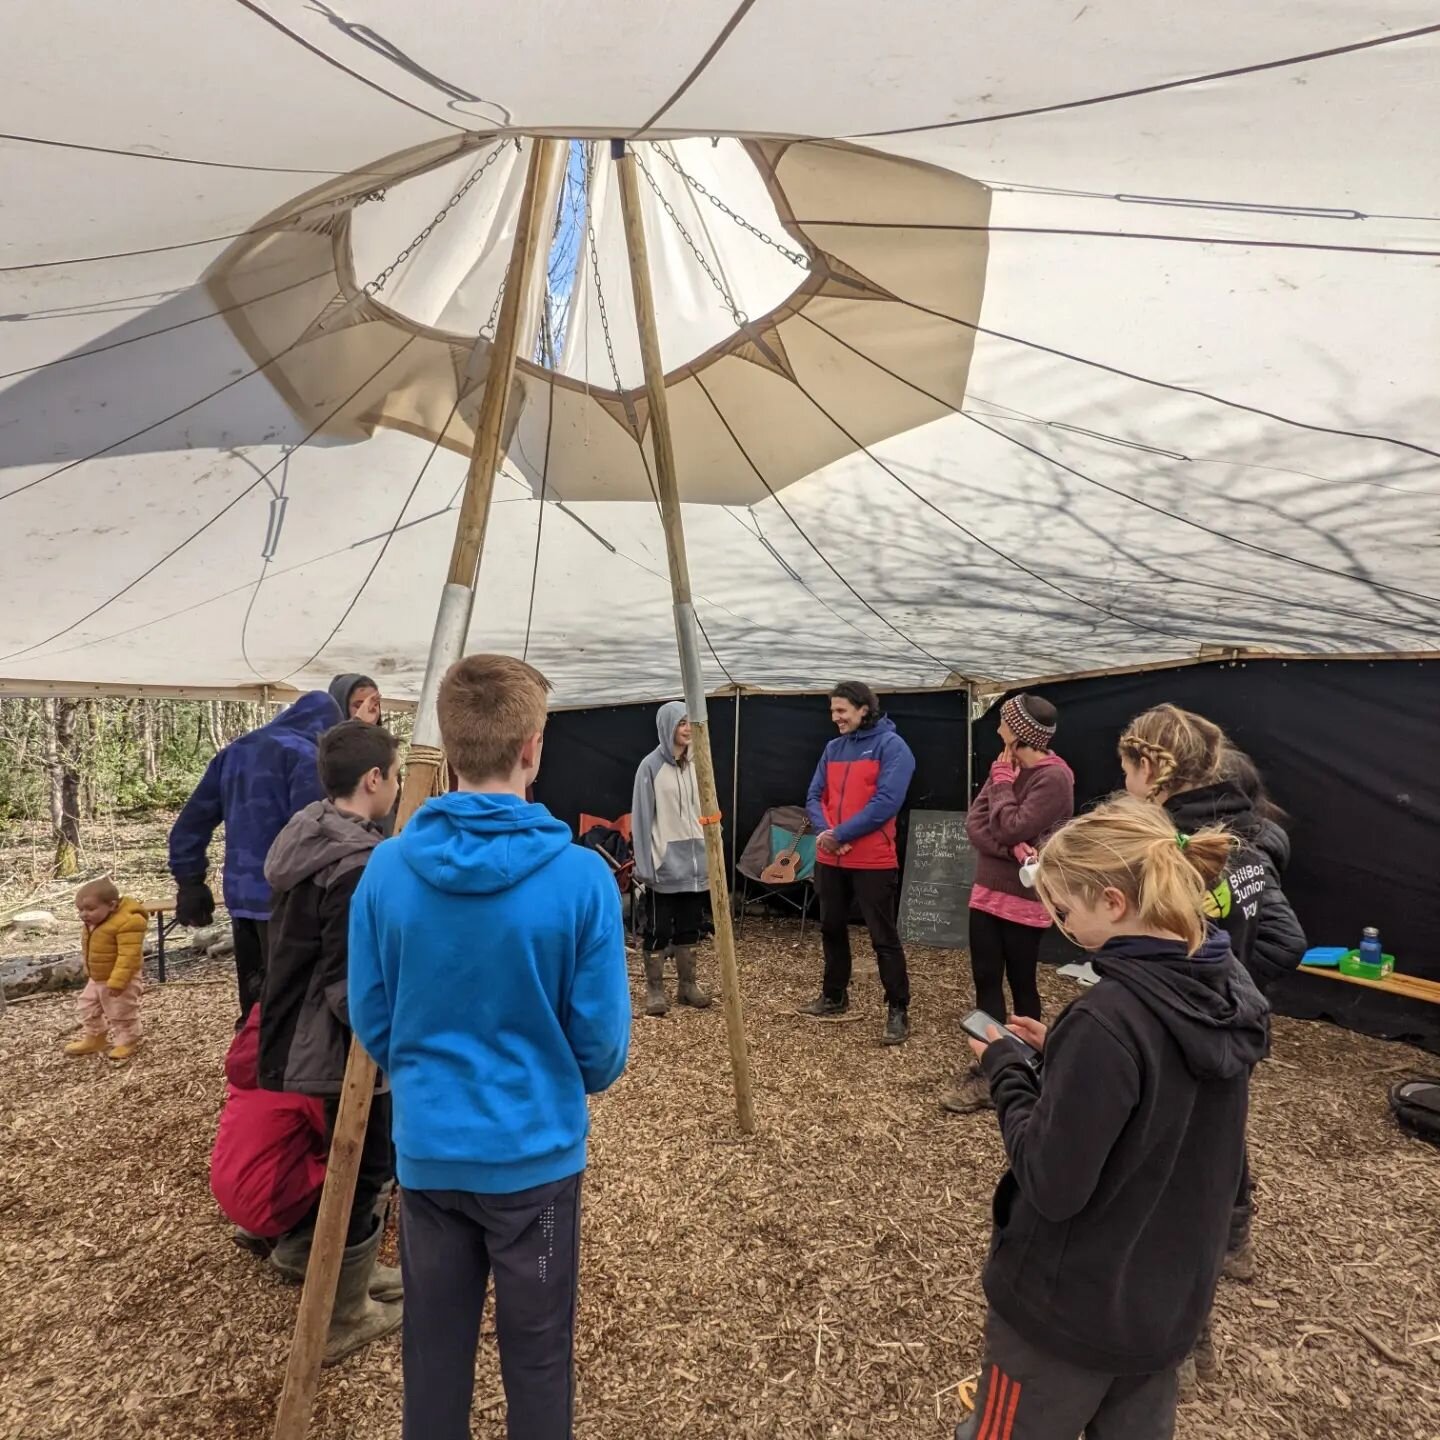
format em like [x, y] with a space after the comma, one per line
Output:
[1370, 952]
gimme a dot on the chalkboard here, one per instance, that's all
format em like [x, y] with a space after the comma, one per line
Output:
[939, 871]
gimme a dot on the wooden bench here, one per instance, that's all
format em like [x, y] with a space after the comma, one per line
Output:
[1412, 987]
[162, 928]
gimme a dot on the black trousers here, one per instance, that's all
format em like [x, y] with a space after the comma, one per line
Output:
[673, 919]
[451, 1242]
[1027, 1394]
[1001, 950]
[252, 952]
[877, 892]
[377, 1163]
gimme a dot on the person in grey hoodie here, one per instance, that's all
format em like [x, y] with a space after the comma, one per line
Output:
[670, 859]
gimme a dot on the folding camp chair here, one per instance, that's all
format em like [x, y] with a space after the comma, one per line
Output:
[775, 835]
[601, 835]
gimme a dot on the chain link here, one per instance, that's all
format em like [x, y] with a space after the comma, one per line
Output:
[736, 313]
[795, 257]
[375, 286]
[600, 305]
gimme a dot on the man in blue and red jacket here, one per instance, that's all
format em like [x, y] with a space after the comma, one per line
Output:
[858, 789]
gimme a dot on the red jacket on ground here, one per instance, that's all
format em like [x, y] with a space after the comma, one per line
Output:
[857, 791]
[268, 1164]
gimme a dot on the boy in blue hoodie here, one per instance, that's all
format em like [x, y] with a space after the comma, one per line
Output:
[488, 981]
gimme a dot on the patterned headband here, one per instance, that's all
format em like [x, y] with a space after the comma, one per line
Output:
[1028, 730]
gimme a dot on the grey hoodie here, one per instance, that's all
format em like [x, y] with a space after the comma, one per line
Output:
[665, 814]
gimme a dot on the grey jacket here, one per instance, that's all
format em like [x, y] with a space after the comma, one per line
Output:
[665, 815]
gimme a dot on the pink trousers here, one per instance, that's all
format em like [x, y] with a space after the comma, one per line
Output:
[118, 1011]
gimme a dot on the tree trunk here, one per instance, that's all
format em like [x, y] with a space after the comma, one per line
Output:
[215, 718]
[146, 728]
[64, 784]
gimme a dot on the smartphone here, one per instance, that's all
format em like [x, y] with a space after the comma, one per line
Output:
[978, 1024]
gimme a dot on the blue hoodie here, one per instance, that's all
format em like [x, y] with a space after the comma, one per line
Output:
[488, 981]
[253, 787]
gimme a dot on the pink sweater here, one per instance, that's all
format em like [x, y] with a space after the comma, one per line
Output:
[1015, 810]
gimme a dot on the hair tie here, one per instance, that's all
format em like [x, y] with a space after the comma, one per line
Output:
[1181, 840]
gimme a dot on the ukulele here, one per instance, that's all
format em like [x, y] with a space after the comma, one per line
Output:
[782, 870]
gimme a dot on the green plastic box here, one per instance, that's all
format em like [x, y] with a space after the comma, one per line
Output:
[1352, 965]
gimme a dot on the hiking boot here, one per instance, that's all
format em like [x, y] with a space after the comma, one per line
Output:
[87, 1045]
[1187, 1381]
[124, 1052]
[1207, 1363]
[253, 1244]
[1240, 1253]
[687, 992]
[655, 1002]
[824, 1007]
[969, 1093]
[358, 1319]
[290, 1257]
[897, 1026]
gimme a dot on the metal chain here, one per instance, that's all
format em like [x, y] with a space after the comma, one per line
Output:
[737, 314]
[375, 286]
[600, 305]
[489, 326]
[795, 257]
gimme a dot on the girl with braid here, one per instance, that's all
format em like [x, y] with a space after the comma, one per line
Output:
[1182, 761]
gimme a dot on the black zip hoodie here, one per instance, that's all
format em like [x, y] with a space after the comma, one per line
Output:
[1249, 903]
[1125, 1156]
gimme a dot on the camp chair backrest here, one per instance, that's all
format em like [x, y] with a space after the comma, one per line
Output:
[759, 849]
[588, 822]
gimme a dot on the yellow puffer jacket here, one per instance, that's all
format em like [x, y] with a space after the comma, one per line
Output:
[116, 946]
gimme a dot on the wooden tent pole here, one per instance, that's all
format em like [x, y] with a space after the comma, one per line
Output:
[686, 631]
[425, 762]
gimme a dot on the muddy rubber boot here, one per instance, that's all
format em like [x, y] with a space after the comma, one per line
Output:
[358, 1319]
[87, 1045]
[969, 1094]
[1240, 1255]
[655, 1002]
[290, 1255]
[1207, 1362]
[687, 992]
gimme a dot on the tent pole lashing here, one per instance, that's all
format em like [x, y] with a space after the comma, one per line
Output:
[686, 630]
[422, 777]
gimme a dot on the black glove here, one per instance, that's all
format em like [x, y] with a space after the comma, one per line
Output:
[194, 904]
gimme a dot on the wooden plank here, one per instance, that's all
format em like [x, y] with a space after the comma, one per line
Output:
[1412, 987]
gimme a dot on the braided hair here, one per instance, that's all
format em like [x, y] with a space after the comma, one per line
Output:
[1184, 750]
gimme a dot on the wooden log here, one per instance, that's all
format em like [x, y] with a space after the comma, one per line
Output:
[686, 633]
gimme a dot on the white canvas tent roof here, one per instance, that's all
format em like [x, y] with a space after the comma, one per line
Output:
[1121, 339]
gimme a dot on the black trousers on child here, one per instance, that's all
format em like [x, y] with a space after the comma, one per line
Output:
[1026, 1394]
[1001, 950]
[252, 952]
[451, 1243]
[877, 892]
[377, 1163]
[673, 919]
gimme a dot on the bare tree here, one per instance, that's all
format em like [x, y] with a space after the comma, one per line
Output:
[60, 763]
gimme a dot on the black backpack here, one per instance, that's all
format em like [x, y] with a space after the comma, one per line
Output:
[1416, 1103]
[615, 848]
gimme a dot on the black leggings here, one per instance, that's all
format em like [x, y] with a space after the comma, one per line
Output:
[1001, 950]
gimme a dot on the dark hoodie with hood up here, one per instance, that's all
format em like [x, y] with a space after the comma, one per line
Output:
[1125, 1154]
[1248, 902]
[488, 981]
[313, 868]
[252, 788]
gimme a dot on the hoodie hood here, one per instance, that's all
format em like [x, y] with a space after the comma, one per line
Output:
[1223, 803]
[316, 838]
[666, 723]
[311, 716]
[1206, 1001]
[468, 844]
[342, 687]
[1270, 838]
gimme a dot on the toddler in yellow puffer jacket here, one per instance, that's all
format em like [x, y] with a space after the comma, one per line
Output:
[114, 948]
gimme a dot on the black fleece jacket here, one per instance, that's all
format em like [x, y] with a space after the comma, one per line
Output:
[1125, 1154]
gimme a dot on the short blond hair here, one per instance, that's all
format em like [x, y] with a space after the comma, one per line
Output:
[103, 890]
[1184, 749]
[1130, 846]
[489, 706]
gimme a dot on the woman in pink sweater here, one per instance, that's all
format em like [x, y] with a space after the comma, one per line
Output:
[1030, 794]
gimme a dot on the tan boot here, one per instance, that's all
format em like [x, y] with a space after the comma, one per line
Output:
[357, 1319]
[87, 1045]
[655, 1002]
[688, 992]
[124, 1052]
[969, 1093]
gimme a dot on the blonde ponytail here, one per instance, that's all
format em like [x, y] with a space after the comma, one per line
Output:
[1130, 846]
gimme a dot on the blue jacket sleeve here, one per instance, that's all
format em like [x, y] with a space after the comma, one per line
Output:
[196, 824]
[897, 769]
[367, 994]
[813, 808]
[597, 1021]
